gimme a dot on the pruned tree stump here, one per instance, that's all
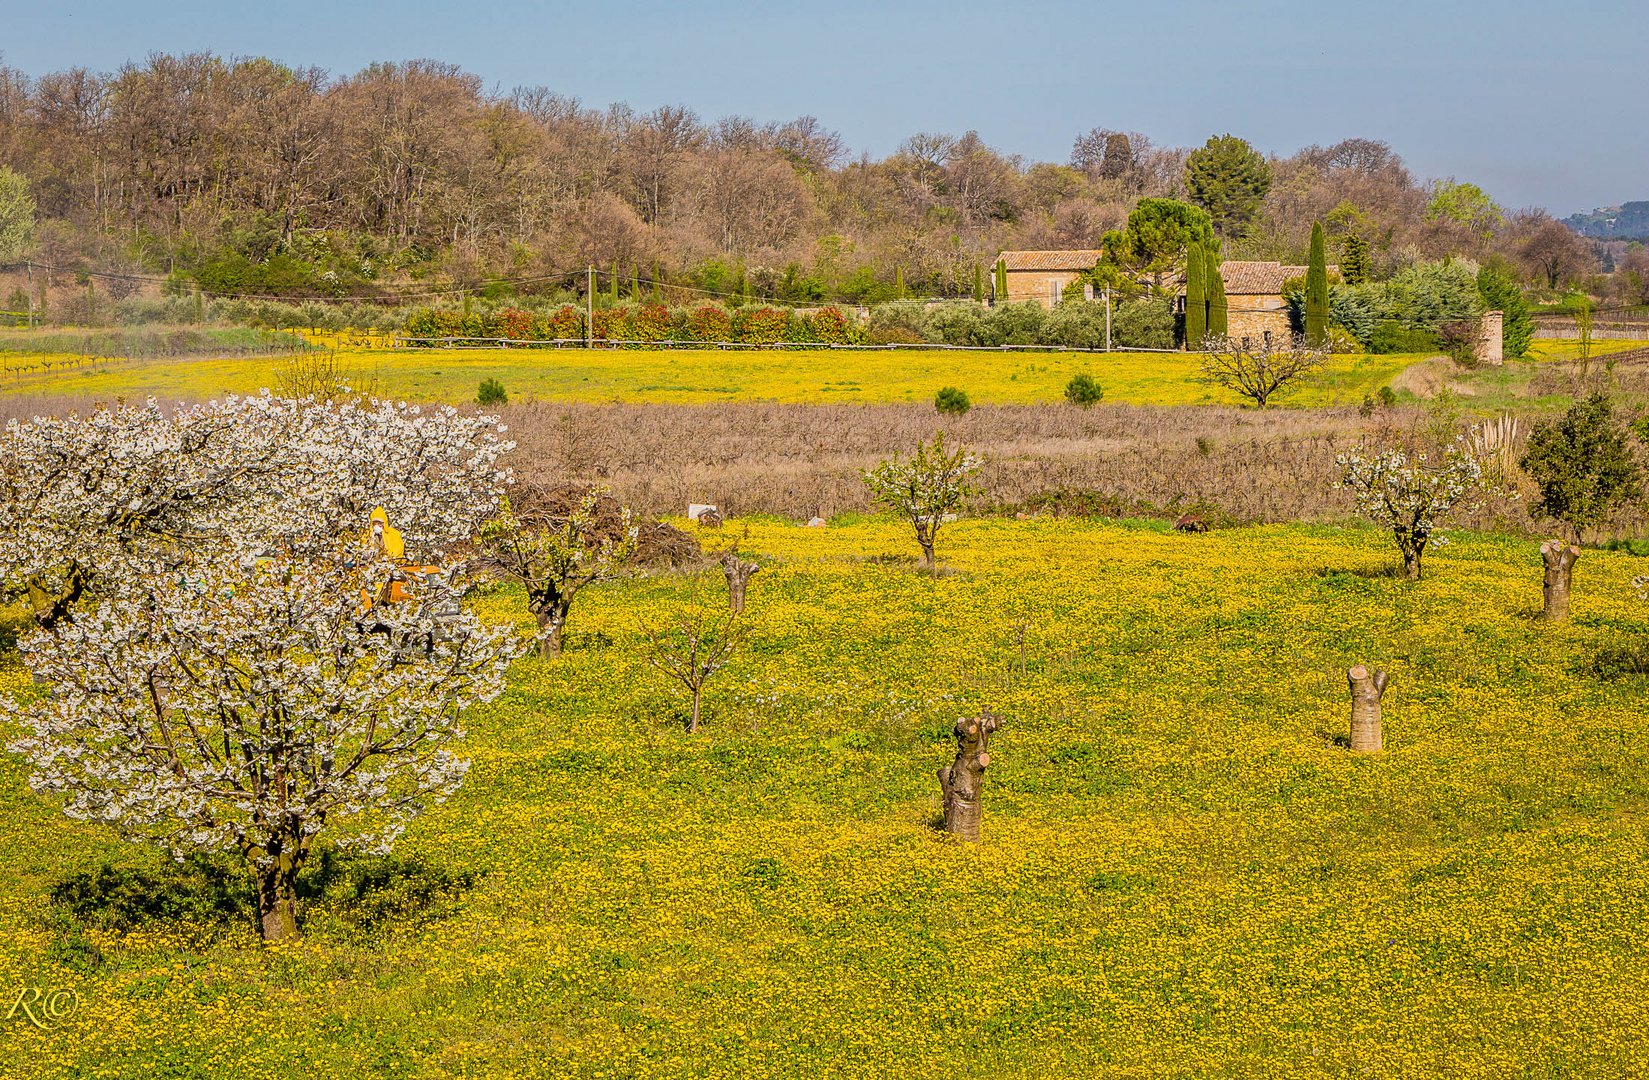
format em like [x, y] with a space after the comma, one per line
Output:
[961, 781]
[1559, 559]
[710, 519]
[1366, 689]
[738, 578]
[1189, 523]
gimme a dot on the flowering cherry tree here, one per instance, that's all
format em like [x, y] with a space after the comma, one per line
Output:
[1411, 495]
[97, 501]
[249, 706]
[926, 488]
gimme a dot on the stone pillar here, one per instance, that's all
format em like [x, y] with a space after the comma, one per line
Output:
[1491, 348]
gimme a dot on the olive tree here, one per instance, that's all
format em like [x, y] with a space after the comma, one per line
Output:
[1410, 494]
[925, 489]
[242, 705]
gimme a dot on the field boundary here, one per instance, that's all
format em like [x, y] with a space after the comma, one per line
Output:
[400, 341]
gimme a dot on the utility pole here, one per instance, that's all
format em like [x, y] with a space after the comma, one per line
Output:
[1107, 318]
[589, 306]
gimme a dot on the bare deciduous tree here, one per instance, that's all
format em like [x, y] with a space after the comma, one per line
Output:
[1260, 370]
[697, 644]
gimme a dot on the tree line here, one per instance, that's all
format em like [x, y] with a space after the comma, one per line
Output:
[250, 177]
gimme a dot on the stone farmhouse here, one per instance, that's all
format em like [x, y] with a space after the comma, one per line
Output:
[1254, 300]
[1042, 275]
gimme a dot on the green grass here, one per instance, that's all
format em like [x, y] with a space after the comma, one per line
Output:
[1183, 872]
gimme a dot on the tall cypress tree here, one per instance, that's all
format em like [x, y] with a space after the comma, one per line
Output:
[1316, 289]
[978, 284]
[1219, 323]
[1001, 291]
[635, 282]
[1196, 296]
[615, 283]
[899, 282]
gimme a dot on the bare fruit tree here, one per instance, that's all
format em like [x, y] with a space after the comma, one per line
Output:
[554, 554]
[245, 707]
[927, 489]
[1261, 369]
[1410, 495]
[697, 644]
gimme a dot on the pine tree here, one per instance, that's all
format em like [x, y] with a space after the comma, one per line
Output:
[1196, 296]
[1316, 289]
[1219, 323]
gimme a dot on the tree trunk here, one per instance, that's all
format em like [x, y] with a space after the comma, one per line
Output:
[1559, 558]
[693, 725]
[738, 578]
[960, 781]
[278, 896]
[550, 622]
[927, 553]
[1366, 736]
[1411, 561]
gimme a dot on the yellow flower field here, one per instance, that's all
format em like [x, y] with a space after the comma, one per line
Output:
[817, 376]
[1183, 872]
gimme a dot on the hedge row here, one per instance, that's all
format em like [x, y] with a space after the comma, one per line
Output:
[756, 325]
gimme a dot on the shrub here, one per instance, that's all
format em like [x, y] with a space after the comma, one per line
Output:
[515, 324]
[1083, 390]
[1143, 324]
[951, 400]
[651, 323]
[761, 325]
[565, 323]
[491, 393]
[1584, 466]
[1019, 324]
[708, 323]
[832, 327]
[1075, 325]
[1391, 336]
[964, 324]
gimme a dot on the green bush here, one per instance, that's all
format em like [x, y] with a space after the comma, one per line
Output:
[1143, 324]
[952, 401]
[491, 393]
[1083, 390]
[1391, 336]
[1075, 325]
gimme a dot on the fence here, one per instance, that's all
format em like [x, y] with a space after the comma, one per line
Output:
[619, 343]
[1563, 326]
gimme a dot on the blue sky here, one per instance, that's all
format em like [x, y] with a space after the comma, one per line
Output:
[1543, 104]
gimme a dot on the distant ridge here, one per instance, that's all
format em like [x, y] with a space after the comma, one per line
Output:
[1628, 221]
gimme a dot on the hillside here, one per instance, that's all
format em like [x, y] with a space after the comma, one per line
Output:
[1628, 221]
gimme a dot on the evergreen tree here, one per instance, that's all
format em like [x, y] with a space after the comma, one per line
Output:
[1228, 178]
[1354, 266]
[658, 285]
[613, 291]
[1316, 289]
[899, 282]
[1196, 296]
[1501, 291]
[635, 282]
[1001, 290]
[978, 283]
[1218, 322]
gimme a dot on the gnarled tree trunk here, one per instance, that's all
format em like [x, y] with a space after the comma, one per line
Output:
[961, 781]
[275, 870]
[1366, 688]
[1559, 558]
[738, 578]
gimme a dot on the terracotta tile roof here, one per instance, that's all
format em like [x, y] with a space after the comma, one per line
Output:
[1050, 260]
[1259, 278]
